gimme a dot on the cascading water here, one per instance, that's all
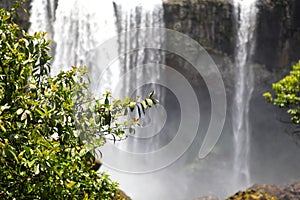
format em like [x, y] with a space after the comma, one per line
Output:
[42, 16]
[132, 18]
[245, 12]
[79, 28]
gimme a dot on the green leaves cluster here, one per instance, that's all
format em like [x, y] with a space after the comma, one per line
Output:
[50, 126]
[287, 93]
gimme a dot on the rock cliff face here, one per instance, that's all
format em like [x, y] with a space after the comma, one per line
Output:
[212, 24]
[278, 33]
[270, 192]
[264, 192]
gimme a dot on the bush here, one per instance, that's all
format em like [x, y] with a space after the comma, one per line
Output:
[50, 126]
[287, 94]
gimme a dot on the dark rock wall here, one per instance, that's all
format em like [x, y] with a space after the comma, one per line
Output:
[209, 22]
[278, 33]
[212, 24]
[260, 192]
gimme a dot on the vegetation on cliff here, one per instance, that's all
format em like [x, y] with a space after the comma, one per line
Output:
[286, 93]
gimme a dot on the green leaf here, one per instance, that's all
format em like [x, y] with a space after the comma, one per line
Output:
[132, 106]
[11, 153]
[37, 169]
[5, 107]
[6, 17]
[2, 128]
[20, 111]
[149, 102]
[40, 112]
[268, 96]
[31, 163]
[144, 104]
[70, 184]
[24, 116]
[155, 101]
[27, 149]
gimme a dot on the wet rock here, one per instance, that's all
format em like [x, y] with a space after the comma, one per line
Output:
[209, 22]
[269, 192]
[290, 192]
[212, 24]
[207, 198]
[251, 195]
[278, 33]
[270, 189]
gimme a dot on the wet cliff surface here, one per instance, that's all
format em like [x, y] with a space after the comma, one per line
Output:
[277, 48]
[278, 33]
[212, 24]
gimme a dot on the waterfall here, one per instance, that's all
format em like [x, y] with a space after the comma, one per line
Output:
[130, 17]
[80, 28]
[42, 16]
[245, 12]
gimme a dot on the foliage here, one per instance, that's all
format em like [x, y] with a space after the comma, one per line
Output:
[287, 93]
[48, 124]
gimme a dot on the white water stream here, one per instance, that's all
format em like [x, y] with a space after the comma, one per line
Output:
[245, 12]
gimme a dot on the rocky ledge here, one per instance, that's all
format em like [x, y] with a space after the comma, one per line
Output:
[264, 192]
[269, 192]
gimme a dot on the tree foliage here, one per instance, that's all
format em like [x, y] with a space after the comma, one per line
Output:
[287, 94]
[51, 126]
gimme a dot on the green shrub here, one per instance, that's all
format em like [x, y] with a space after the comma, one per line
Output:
[287, 94]
[34, 107]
